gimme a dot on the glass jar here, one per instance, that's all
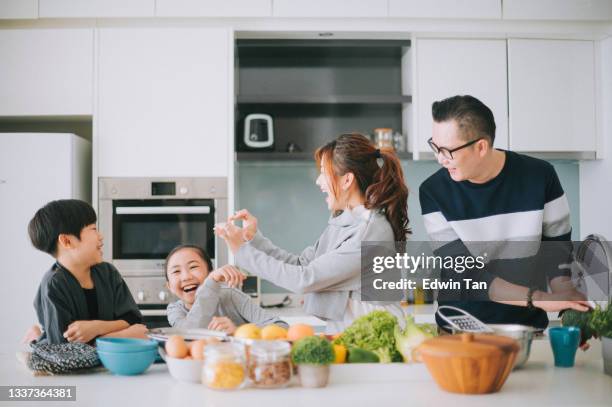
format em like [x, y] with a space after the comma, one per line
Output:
[270, 364]
[383, 138]
[399, 142]
[224, 366]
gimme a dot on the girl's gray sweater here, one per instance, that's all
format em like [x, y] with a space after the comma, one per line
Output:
[326, 272]
[214, 300]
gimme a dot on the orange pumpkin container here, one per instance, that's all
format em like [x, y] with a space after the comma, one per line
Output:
[469, 363]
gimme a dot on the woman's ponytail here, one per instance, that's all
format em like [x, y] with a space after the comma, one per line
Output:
[390, 193]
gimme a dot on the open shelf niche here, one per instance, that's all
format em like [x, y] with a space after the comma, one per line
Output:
[315, 90]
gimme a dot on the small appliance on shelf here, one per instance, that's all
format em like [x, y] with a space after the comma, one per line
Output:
[258, 132]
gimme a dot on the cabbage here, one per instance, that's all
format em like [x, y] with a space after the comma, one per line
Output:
[411, 337]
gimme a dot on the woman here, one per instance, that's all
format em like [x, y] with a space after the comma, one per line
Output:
[367, 195]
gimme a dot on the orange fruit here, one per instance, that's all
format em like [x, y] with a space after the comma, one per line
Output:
[299, 331]
[248, 331]
[272, 332]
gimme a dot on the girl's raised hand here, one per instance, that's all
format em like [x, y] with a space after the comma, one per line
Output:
[228, 274]
[249, 223]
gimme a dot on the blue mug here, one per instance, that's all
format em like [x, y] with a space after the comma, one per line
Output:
[564, 341]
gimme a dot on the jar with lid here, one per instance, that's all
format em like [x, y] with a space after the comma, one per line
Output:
[270, 364]
[383, 138]
[224, 366]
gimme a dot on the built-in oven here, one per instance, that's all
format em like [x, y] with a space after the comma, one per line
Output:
[143, 219]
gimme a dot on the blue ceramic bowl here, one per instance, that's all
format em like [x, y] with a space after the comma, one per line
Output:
[127, 363]
[120, 345]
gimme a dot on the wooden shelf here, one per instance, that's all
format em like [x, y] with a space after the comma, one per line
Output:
[324, 99]
[284, 156]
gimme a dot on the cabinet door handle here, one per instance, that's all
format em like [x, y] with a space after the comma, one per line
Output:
[2, 181]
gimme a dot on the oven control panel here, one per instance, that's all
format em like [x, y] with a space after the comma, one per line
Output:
[149, 290]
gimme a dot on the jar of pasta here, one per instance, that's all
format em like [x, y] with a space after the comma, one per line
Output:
[224, 366]
[270, 364]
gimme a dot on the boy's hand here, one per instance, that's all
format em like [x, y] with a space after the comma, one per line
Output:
[82, 331]
[32, 334]
[134, 331]
[229, 274]
[222, 324]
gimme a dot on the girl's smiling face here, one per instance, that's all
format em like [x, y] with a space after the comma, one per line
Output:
[186, 271]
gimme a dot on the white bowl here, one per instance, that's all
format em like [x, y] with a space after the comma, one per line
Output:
[184, 370]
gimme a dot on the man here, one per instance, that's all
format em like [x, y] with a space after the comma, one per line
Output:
[486, 194]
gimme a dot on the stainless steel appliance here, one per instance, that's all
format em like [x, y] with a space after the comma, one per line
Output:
[142, 219]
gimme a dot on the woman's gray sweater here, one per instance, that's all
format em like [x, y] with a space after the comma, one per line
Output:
[326, 272]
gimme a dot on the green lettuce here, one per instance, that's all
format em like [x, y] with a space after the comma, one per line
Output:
[373, 332]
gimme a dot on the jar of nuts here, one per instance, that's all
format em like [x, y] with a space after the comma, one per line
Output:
[270, 364]
[224, 366]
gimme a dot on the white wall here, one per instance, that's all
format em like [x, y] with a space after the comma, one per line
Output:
[596, 176]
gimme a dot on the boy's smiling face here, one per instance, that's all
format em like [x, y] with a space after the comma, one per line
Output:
[186, 271]
[87, 249]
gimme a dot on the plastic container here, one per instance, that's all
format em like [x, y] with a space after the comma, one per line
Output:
[269, 364]
[383, 138]
[224, 366]
[127, 363]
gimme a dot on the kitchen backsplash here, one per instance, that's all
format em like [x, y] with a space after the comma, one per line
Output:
[291, 209]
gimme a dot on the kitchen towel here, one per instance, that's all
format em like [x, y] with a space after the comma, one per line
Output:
[61, 358]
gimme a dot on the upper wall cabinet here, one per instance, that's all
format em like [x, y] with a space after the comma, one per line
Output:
[477, 9]
[461, 67]
[214, 8]
[96, 8]
[552, 95]
[164, 102]
[330, 8]
[18, 9]
[46, 72]
[558, 9]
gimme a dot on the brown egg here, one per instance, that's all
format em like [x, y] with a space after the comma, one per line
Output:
[176, 347]
[197, 349]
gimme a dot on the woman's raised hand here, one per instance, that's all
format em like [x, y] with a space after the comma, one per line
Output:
[249, 223]
[232, 235]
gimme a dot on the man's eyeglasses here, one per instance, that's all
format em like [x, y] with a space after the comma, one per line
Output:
[446, 153]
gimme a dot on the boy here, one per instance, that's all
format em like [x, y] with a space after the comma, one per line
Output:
[80, 297]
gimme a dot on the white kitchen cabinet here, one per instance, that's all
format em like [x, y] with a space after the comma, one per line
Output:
[96, 8]
[449, 67]
[330, 8]
[46, 72]
[557, 9]
[164, 102]
[476, 9]
[18, 9]
[214, 8]
[551, 95]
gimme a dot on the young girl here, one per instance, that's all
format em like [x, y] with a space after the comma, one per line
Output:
[80, 297]
[367, 195]
[203, 301]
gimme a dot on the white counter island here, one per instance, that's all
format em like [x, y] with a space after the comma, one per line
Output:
[539, 383]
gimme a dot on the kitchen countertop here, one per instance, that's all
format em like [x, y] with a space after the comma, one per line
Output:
[538, 383]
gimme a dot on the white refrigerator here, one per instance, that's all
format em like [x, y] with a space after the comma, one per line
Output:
[35, 168]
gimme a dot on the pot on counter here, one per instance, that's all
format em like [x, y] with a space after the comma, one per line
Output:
[470, 363]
